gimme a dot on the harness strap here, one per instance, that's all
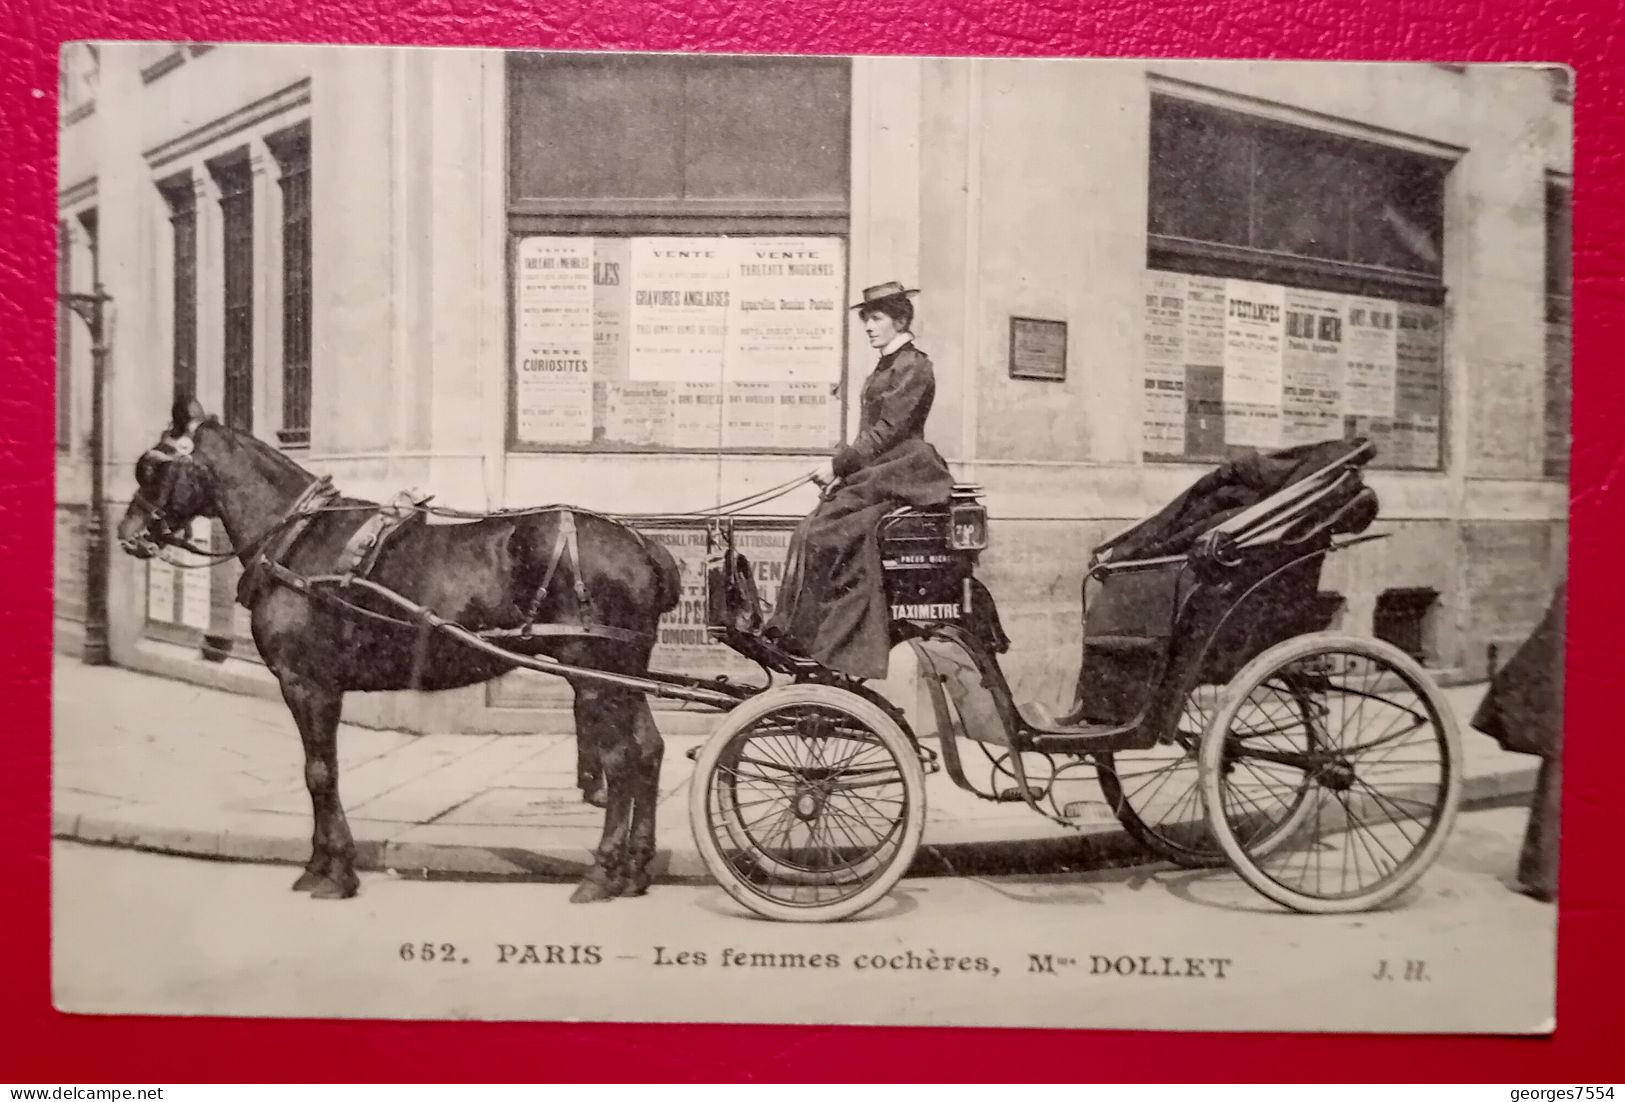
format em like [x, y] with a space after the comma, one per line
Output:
[563, 545]
[281, 537]
[326, 587]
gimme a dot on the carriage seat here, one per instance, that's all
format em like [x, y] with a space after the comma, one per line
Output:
[914, 537]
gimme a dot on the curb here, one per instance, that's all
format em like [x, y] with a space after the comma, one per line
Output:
[256, 839]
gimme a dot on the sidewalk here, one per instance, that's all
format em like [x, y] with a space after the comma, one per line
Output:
[165, 765]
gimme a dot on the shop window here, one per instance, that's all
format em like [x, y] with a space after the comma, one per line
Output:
[1559, 329]
[1294, 290]
[235, 179]
[292, 152]
[1402, 617]
[181, 198]
[678, 258]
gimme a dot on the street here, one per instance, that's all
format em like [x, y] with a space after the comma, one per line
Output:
[1150, 947]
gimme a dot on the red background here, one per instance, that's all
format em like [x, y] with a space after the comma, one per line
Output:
[42, 1045]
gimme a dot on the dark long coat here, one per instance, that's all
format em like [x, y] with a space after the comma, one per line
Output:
[1523, 711]
[832, 605]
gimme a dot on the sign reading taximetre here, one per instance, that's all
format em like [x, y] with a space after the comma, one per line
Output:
[678, 343]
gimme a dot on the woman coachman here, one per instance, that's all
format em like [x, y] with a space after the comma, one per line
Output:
[832, 605]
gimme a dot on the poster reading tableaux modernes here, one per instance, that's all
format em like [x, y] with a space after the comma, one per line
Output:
[1233, 364]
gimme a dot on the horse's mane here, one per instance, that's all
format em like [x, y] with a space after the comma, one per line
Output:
[265, 456]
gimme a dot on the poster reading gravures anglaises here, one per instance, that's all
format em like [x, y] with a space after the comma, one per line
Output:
[1235, 363]
[679, 343]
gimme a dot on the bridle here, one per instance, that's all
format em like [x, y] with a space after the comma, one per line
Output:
[170, 454]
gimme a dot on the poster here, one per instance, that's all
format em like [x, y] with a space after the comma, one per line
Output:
[807, 416]
[553, 316]
[610, 288]
[750, 416]
[160, 591]
[1164, 420]
[683, 645]
[195, 583]
[785, 320]
[1204, 320]
[1312, 367]
[678, 312]
[1252, 344]
[1370, 359]
[696, 414]
[638, 413]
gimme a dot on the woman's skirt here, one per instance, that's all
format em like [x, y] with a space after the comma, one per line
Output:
[832, 605]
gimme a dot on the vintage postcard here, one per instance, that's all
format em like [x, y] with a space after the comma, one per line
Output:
[907, 540]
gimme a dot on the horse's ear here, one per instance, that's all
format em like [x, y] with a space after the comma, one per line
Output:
[186, 411]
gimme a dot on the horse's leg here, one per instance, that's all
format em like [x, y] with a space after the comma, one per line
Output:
[650, 749]
[330, 873]
[604, 714]
[589, 764]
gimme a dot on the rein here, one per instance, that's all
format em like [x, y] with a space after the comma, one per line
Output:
[301, 507]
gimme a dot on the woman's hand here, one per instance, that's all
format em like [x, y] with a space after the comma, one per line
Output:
[824, 473]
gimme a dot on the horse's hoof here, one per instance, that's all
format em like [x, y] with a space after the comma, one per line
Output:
[308, 881]
[591, 890]
[597, 796]
[336, 889]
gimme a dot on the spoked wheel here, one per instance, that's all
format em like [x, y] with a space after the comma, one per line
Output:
[1376, 756]
[1157, 795]
[808, 804]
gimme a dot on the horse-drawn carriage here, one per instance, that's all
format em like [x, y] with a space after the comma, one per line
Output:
[1222, 722]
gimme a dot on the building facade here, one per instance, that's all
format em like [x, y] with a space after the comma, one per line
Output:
[620, 282]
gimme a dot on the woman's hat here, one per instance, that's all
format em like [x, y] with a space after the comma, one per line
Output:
[883, 292]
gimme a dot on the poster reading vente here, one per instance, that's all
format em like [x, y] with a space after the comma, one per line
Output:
[785, 316]
[553, 344]
[678, 308]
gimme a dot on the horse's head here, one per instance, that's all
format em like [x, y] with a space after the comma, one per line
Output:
[173, 486]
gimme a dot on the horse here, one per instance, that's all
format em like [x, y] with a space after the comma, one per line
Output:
[492, 572]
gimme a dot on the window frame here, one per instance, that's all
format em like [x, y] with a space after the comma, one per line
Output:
[291, 148]
[699, 218]
[1222, 260]
[180, 195]
[234, 177]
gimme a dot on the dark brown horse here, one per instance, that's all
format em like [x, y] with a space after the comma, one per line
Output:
[499, 572]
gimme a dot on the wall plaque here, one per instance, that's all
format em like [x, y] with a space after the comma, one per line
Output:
[1037, 349]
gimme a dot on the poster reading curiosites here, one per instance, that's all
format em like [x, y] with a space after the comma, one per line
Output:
[553, 340]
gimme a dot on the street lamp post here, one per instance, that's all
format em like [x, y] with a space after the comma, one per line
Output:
[91, 309]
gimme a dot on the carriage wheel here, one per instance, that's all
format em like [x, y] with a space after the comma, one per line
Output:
[1382, 755]
[1157, 795]
[808, 804]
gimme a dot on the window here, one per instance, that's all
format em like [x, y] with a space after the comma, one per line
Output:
[1294, 289]
[181, 198]
[64, 337]
[679, 251]
[236, 183]
[292, 152]
[1559, 328]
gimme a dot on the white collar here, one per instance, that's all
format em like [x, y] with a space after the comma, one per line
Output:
[897, 342]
